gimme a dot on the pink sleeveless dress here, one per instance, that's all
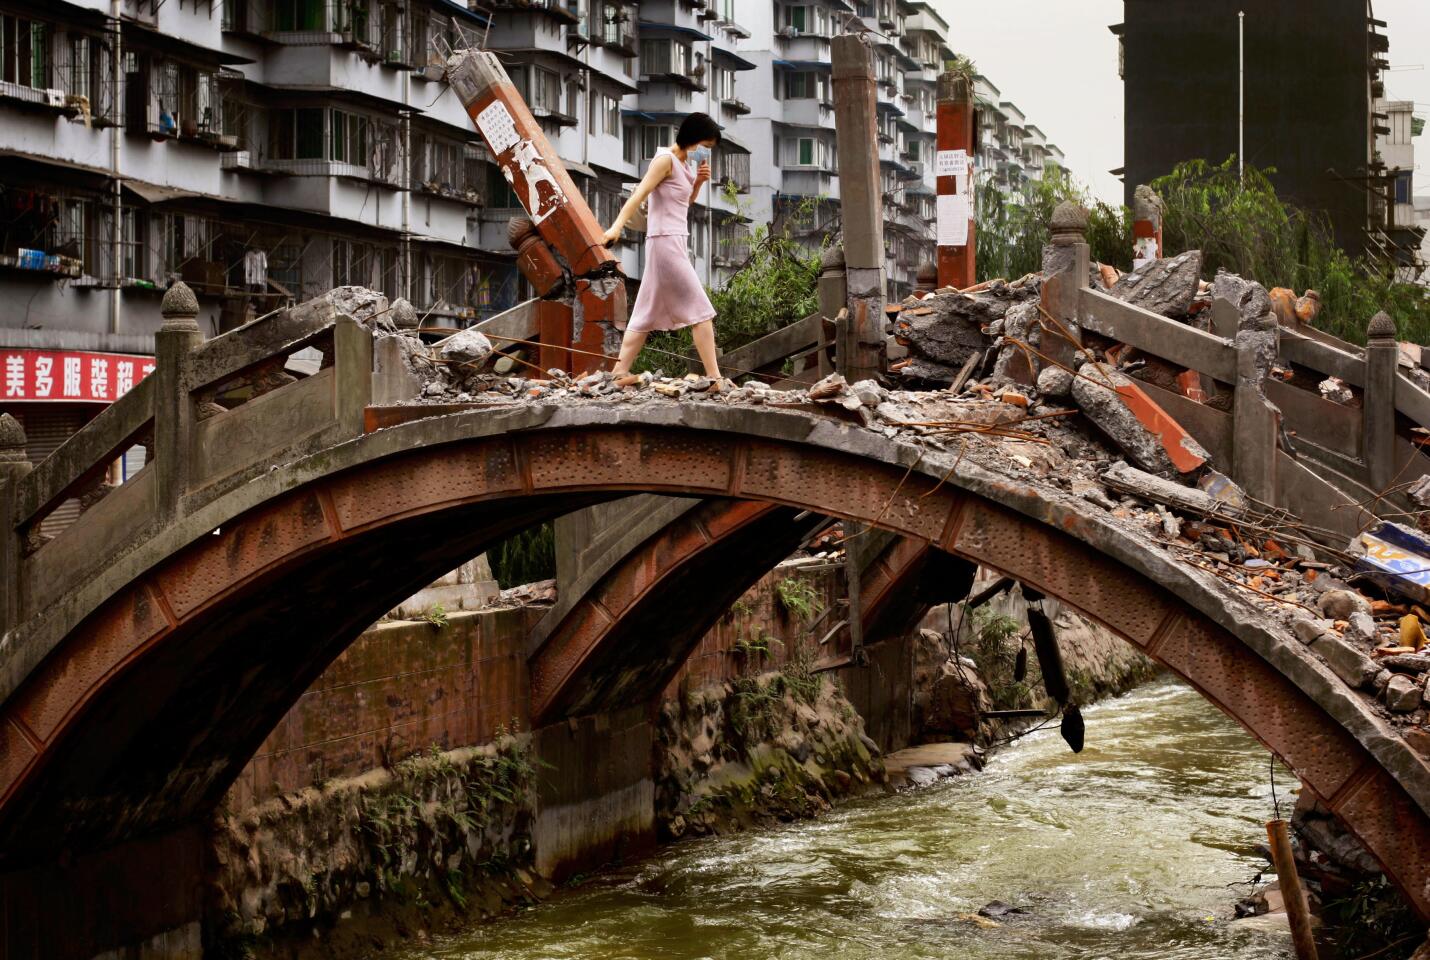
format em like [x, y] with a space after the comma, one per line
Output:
[670, 295]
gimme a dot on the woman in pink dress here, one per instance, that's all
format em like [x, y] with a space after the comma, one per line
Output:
[671, 295]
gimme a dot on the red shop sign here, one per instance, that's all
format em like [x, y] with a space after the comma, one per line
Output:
[70, 375]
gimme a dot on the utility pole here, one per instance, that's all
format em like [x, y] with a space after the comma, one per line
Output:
[1241, 95]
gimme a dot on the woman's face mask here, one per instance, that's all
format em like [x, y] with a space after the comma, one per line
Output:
[700, 154]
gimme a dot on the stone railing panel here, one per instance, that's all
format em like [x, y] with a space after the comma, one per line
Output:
[1153, 333]
[92, 449]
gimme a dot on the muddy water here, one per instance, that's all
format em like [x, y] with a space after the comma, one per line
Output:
[1126, 851]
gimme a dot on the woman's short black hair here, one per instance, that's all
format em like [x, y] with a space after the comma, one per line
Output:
[697, 127]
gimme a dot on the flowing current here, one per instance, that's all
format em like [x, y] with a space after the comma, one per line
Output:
[1132, 849]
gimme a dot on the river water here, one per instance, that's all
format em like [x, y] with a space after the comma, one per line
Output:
[1129, 850]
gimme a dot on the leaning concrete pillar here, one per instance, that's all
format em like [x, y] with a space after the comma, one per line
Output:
[174, 408]
[14, 466]
[953, 168]
[861, 205]
[1065, 274]
[1378, 404]
[1146, 226]
[556, 208]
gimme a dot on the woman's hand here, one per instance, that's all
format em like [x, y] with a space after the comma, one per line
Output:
[612, 234]
[702, 172]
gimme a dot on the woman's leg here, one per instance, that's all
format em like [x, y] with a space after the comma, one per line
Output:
[631, 344]
[703, 334]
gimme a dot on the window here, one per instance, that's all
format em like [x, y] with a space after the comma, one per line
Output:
[355, 263]
[79, 67]
[1402, 185]
[613, 116]
[299, 15]
[26, 55]
[664, 56]
[913, 150]
[724, 84]
[347, 138]
[133, 264]
[813, 21]
[541, 89]
[806, 151]
[653, 138]
[805, 86]
[71, 229]
[573, 98]
[629, 141]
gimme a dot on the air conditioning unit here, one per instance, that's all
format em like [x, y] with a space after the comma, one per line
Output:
[55, 98]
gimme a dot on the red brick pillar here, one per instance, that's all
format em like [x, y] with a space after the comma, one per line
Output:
[953, 165]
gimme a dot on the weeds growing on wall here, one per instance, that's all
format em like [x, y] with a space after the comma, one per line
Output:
[756, 703]
[526, 557]
[433, 806]
[799, 598]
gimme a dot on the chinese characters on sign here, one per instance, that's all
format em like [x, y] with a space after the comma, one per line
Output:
[60, 375]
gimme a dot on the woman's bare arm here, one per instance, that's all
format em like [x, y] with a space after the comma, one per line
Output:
[658, 170]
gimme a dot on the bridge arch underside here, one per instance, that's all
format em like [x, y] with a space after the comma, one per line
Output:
[153, 686]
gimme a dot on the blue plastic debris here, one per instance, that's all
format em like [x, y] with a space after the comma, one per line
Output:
[1397, 558]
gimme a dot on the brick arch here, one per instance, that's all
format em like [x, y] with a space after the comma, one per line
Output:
[151, 688]
[623, 640]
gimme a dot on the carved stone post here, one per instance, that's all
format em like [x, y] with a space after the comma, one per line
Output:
[1256, 421]
[861, 205]
[926, 280]
[1378, 404]
[14, 465]
[1065, 274]
[174, 409]
[832, 288]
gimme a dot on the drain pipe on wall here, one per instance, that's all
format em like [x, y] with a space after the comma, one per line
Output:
[405, 286]
[116, 68]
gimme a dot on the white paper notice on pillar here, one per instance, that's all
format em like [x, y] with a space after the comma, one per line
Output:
[951, 163]
[953, 221]
[497, 125]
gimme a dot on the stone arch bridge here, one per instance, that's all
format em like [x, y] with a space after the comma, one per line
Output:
[151, 646]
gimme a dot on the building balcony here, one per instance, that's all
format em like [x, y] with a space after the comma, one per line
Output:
[809, 112]
[735, 106]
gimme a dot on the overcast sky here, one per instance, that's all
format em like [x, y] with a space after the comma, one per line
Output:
[1057, 61]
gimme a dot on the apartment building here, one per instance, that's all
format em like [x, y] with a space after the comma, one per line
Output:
[1398, 235]
[791, 120]
[260, 150]
[1010, 151]
[264, 151]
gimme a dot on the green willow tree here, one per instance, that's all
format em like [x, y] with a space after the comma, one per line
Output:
[1012, 228]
